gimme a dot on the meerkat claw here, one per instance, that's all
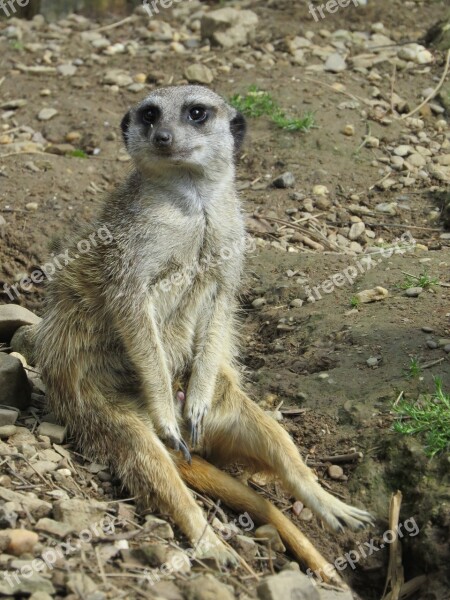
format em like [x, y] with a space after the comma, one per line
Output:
[179, 445]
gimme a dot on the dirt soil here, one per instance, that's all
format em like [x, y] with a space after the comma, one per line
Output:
[311, 356]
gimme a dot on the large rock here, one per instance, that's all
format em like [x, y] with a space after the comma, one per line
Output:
[80, 514]
[14, 387]
[288, 584]
[228, 27]
[13, 316]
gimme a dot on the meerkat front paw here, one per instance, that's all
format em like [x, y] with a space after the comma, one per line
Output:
[195, 413]
[172, 437]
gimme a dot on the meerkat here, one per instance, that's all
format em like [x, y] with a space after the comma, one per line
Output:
[123, 323]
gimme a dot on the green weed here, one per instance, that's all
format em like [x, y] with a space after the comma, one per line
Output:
[257, 103]
[429, 417]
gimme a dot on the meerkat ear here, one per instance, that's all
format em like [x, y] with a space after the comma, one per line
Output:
[124, 125]
[238, 127]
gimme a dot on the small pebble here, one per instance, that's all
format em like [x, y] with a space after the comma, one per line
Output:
[372, 361]
[46, 114]
[7, 431]
[349, 130]
[432, 344]
[306, 515]
[335, 471]
[427, 329]
[296, 303]
[21, 541]
[258, 302]
[297, 507]
[286, 180]
[447, 348]
[413, 292]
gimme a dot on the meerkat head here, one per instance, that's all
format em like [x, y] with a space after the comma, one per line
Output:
[183, 128]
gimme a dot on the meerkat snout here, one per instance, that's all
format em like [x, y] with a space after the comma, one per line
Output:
[183, 126]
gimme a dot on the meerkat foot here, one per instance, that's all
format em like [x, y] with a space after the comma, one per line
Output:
[214, 549]
[337, 515]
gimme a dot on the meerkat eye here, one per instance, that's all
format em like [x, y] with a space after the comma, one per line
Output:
[150, 115]
[198, 114]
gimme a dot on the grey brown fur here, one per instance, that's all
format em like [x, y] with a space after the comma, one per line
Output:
[116, 336]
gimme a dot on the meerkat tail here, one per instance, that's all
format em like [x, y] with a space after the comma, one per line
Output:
[205, 478]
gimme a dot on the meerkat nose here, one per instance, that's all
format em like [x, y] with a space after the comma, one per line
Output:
[163, 137]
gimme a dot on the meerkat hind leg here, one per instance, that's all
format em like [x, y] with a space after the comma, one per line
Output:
[145, 467]
[238, 429]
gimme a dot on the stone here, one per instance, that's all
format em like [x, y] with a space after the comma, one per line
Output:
[13, 316]
[40, 596]
[271, 537]
[8, 416]
[335, 63]
[228, 27]
[21, 586]
[306, 515]
[387, 208]
[320, 190]
[432, 344]
[159, 527]
[198, 73]
[54, 528]
[373, 295]
[207, 587]
[78, 513]
[46, 114]
[296, 303]
[372, 361]
[20, 541]
[245, 546]
[403, 150]
[258, 302]
[356, 230]
[15, 389]
[443, 342]
[117, 77]
[348, 130]
[289, 585]
[417, 160]
[7, 431]
[37, 508]
[56, 433]
[286, 180]
[413, 292]
[66, 70]
[335, 471]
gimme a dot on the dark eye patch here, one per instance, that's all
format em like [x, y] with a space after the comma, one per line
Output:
[149, 115]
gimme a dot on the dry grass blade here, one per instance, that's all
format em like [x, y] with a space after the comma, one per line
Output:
[395, 578]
